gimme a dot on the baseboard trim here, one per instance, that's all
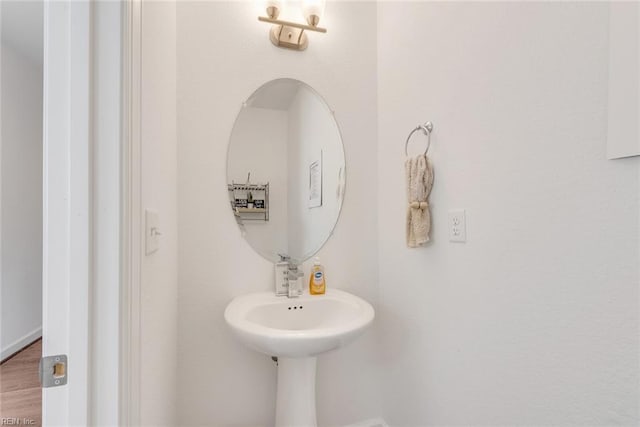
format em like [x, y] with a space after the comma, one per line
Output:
[20, 343]
[374, 422]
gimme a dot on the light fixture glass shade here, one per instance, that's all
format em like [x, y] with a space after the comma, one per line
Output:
[273, 8]
[313, 10]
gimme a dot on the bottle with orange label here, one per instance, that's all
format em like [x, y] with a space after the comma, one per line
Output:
[317, 284]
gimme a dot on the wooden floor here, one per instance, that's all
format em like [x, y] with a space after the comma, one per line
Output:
[20, 393]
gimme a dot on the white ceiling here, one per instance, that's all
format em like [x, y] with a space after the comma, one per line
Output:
[22, 27]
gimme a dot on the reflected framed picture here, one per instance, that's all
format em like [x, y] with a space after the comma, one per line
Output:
[315, 182]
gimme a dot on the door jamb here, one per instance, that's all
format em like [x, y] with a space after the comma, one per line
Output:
[131, 217]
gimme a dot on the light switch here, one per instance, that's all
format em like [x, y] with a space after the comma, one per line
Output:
[152, 232]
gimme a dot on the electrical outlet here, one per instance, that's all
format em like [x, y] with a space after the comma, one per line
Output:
[457, 226]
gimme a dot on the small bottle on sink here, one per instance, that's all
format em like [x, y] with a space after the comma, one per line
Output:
[317, 284]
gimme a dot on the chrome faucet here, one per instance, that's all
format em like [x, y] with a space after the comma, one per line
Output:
[295, 281]
[289, 281]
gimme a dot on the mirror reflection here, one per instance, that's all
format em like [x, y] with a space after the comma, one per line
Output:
[286, 170]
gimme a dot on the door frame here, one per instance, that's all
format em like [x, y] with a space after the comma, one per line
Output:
[67, 212]
[131, 215]
[92, 230]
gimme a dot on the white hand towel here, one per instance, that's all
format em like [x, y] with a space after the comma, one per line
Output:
[419, 179]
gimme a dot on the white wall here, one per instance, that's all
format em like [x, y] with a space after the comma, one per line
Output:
[224, 54]
[259, 147]
[159, 192]
[311, 121]
[21, 180]
[534, 321]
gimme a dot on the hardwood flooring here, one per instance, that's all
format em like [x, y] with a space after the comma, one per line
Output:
[20, 392]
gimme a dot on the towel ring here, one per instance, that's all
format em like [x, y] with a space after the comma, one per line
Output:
[427, 128]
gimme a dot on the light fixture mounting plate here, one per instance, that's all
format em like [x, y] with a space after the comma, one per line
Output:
[288, 37]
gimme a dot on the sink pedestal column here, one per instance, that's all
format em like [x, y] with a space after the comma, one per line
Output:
[296, 395]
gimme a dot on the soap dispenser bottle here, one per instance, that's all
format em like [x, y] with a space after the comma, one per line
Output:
[317, 284]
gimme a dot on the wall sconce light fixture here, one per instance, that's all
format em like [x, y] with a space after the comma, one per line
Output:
[291, 35]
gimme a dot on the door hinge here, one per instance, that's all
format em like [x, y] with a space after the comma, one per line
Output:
[53, 370]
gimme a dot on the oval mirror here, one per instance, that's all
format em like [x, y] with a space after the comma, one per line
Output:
[286, 170]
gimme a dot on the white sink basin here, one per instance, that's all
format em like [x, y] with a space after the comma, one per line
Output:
[296, 330]
[298, 327]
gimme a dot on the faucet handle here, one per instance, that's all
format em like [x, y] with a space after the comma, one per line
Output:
[284, 257]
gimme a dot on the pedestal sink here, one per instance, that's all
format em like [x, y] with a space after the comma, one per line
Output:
[296, 330]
